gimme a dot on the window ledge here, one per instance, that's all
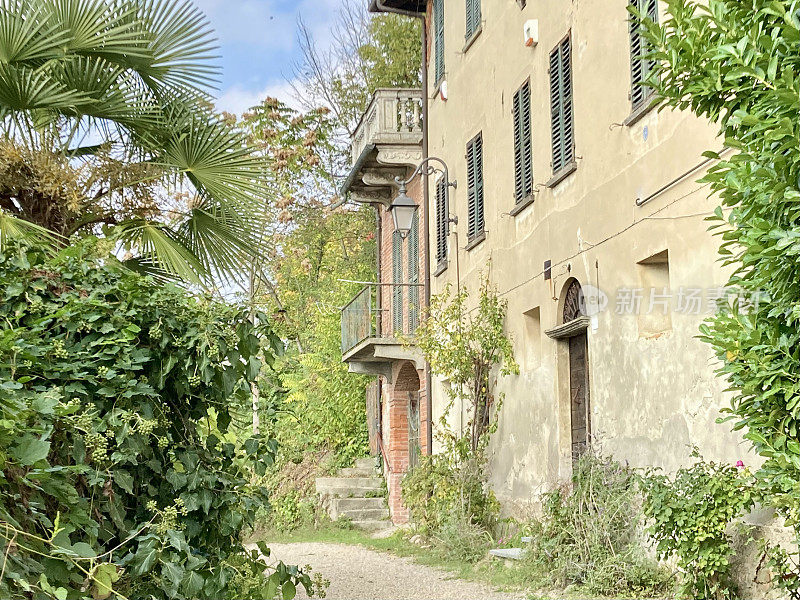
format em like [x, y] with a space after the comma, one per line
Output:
[522, 205]
[440, 268]
[475, 241]
[438, 86]
[561, 174]
[638, 113]
[471, 39]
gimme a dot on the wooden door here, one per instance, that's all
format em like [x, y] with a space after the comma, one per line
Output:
[579, 394]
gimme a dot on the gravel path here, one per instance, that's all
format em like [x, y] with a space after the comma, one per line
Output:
[357, 573]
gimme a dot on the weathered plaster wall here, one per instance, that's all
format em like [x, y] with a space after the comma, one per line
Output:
[651, 397]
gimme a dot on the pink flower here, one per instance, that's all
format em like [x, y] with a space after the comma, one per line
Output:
[740, 464]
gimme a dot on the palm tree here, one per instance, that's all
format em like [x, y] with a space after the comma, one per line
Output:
[107, 126]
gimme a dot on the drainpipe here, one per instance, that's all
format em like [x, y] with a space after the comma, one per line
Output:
[425, 201]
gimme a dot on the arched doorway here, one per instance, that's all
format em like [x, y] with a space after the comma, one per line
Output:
[580, 423]
[407, 391]
[402, 434]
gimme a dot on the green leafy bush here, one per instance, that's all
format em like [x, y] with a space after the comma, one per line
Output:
[588, 535]
[122, 467]
[450, 501]
[691, 515]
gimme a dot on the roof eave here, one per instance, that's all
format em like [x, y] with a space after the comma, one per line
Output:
[412, 6]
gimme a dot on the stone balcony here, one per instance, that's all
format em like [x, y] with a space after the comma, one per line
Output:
[386, 143]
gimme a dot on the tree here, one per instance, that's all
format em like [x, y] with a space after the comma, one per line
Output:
[368, 52]
[737, 64]
[310, 248]
[107, 121]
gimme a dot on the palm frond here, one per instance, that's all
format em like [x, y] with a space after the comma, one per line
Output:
[13, 229]
[155, 244]
[223, 243]
[217, 160]
[182, 44]
[27, 33]
[24, 89]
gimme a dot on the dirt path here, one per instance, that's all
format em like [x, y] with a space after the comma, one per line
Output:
[357, 573]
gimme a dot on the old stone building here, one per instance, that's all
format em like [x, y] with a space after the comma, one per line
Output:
[581, 205]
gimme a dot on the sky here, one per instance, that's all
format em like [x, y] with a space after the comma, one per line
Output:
[258, 45]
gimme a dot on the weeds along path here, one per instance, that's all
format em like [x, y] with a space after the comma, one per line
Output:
[357, 573]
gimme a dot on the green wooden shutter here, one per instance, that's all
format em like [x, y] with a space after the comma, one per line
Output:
[634, 34]
[555, 109]
[566, 87]
[475, 216]
[397, 279]
[478, 152]
[438, 25]
[527, 141]
[640, 67]
[473, 17]
[561, 113]
[518, 166]
[413, 275]
[523, 151]
[471, 216]
[441, 222]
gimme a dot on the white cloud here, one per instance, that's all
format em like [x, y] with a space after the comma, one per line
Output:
[238, 99]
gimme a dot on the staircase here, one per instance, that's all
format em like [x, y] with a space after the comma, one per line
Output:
[356, 494]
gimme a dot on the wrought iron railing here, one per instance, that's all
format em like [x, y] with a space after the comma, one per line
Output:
[381, 310]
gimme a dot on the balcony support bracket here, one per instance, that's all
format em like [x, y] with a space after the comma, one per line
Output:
[383, 369]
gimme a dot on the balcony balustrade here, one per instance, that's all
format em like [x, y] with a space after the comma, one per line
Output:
[386, 143]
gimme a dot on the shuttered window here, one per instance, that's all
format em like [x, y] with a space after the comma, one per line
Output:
[473, 17]
[397, 279]
[640, 67]
[441, 223]
[561, 105]
[438, 38]
[413, 275]
[523, 154]
[475, 187]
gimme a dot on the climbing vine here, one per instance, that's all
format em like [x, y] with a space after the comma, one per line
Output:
[464, 346]
[447, 493]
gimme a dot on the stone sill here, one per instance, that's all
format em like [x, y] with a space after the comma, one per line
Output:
[561, 175]
[638, 113]
[440, 268]
[471, 39]
[475, 241]
[521, 205]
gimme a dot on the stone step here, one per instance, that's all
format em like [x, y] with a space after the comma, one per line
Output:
[344, 504]
[346, 487]
[507, 553]
[356, 472]
[372, 524]
[367, 514]
[365, 463]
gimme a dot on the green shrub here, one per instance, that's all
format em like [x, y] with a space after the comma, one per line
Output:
[123, 466]
[458, 538]
[587, 535]
[691, 514]
[450, 483]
